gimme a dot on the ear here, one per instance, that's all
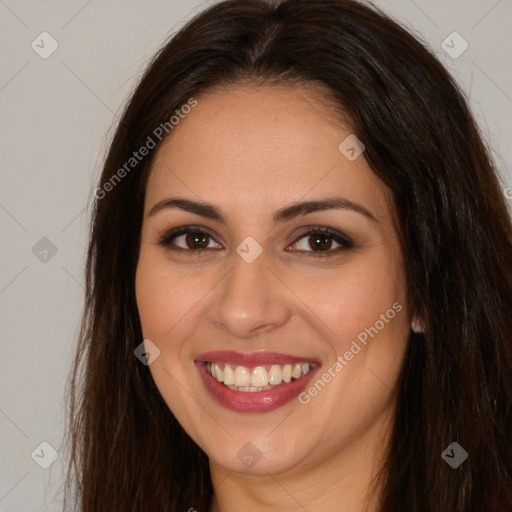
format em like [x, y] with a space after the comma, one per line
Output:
[417, 326]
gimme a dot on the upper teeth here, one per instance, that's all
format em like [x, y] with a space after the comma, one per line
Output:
[261, 377]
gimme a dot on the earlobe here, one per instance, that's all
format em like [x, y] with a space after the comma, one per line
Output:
[417, 326]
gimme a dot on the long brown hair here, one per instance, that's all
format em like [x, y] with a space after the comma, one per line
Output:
[128, 452]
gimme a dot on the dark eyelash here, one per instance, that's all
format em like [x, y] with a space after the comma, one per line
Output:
[167, 238]
[344, 241]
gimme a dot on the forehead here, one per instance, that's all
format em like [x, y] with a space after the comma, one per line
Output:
[264, 146]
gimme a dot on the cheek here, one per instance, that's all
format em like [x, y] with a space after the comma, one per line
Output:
[163, 294]
[152, 301]
[364, 315]
[171, 302]
[166, 303]
[352, 299]
[162, 297]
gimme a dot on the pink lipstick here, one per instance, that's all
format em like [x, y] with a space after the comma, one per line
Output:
[255, 382]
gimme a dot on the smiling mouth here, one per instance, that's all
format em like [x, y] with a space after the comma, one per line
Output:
[255, 382]
[257, 378]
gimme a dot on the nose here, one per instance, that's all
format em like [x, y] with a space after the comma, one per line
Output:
[250, 300]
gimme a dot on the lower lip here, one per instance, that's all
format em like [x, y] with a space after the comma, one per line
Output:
[257, 401]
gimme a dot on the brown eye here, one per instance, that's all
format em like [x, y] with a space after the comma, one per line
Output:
[320, 242]
[197, 240]
[189, 239]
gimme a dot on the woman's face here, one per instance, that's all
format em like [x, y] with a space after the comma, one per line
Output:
[310, 326]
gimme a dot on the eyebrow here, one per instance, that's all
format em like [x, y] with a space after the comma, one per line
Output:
[210, 211]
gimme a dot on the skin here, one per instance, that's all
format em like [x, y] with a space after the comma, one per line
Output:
[251, 151]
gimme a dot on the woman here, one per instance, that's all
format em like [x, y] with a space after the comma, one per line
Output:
[298, 281]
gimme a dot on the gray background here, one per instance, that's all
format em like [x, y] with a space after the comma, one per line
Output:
[56, 118]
